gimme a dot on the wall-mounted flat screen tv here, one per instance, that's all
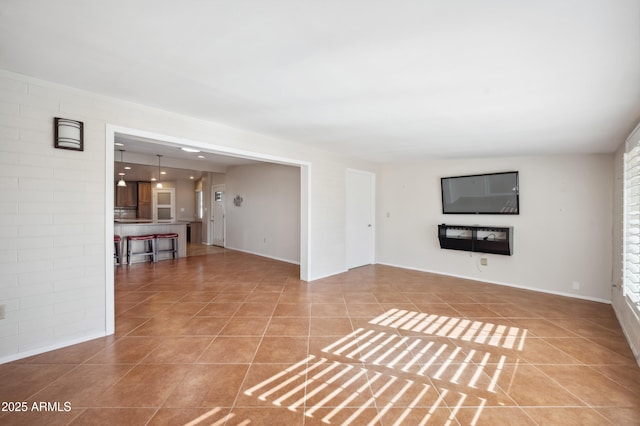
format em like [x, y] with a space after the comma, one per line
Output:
[492, 193]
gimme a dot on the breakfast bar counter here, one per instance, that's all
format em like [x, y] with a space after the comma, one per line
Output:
[127, 227]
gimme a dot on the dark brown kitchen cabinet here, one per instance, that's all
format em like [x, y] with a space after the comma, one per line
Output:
[126, 196]
[144, 200]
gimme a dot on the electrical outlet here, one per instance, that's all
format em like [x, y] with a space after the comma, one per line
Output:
[484, 261]
[575, 285]
[2, 311]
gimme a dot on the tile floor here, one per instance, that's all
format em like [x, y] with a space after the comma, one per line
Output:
[234, 339]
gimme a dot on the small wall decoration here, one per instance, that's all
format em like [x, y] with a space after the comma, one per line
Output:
[68, 134]
[238, 201]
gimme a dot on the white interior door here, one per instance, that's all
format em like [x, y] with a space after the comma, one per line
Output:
[217, 215]
[360, 204]
[164, 204]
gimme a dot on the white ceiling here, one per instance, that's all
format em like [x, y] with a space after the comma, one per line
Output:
[381, 80]
[141, 155]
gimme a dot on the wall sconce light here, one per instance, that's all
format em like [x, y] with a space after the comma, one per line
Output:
[68, 134]
[238, 201]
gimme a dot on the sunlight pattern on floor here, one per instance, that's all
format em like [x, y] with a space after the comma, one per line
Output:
[209, 418]
[378, 365]
[319, 383]
[416, 355]
[454, 328]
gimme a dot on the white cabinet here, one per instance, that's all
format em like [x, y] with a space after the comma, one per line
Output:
[164, 205]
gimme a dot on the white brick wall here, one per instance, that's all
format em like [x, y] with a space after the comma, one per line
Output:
[54, 207]
[44, 255]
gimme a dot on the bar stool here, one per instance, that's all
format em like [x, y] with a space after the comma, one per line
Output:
[117, 252]
[174, 244]
[148, 248]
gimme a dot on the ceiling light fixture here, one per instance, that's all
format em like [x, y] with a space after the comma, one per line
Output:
[121, 182]
[159, 184]
[185, 149]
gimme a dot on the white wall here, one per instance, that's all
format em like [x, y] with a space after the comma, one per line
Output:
[268, 221]
[185, 200]
[54, 273]
[563, 233]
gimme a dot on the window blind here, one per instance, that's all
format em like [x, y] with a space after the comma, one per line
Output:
[631, 241]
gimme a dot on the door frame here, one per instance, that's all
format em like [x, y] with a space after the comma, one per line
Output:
[224, 213]
[161, 139]
[371, 255]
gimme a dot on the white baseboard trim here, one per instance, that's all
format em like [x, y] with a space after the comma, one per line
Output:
[59, 345]
[539, 290]
[314, 278]
[327, 275]
[264, 255]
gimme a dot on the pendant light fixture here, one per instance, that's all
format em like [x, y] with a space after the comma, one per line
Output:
[121, 182]
[159, 184]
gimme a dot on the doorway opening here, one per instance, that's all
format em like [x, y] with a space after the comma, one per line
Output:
[155, 138]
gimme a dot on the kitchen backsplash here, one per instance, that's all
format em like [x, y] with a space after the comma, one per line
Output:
[124, 213]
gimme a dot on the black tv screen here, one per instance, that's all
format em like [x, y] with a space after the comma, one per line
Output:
[492, 193]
